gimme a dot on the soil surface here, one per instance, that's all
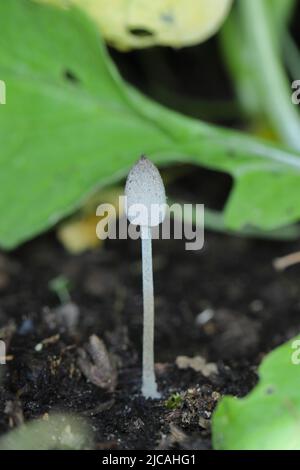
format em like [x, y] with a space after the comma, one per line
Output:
[249, 308]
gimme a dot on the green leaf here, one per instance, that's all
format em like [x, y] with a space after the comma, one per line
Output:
[71, 126]
[269, 417]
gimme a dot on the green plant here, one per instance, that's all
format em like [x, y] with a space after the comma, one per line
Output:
[174, 401]
[60, 285]
[63, 139]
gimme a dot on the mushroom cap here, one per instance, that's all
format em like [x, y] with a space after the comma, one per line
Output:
[145, 203]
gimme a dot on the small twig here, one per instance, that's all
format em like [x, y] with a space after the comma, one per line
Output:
[4, 359]
[280, 264]
[51, 340]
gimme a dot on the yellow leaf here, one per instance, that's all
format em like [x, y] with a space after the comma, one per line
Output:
[128, 24]
[78, 233]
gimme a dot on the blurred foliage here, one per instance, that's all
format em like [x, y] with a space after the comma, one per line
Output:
[77, 233]
[57, 431]
[268, 418]
[174, 401]
[61, 285]
[128, 24]
[252, 41]
[71, 126]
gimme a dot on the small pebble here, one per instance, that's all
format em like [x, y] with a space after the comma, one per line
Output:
[256, 306]
[26, 327]
[204, 317]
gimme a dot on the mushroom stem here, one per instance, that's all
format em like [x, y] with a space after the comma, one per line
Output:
[149, 387]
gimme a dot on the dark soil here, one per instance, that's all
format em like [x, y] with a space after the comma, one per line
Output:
[253, 309]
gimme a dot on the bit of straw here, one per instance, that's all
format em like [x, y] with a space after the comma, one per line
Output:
[280, 264]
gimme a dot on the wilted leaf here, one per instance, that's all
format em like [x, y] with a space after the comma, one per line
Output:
[78, 233]
[130, 24]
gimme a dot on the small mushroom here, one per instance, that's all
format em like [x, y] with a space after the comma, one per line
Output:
[146, 206]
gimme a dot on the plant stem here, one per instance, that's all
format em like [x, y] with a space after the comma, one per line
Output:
[292, 56]
[275, 91]
[149, 387]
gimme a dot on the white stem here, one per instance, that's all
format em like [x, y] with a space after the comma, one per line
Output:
[149, 387]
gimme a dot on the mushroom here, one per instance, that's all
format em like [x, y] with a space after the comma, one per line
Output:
[145, 205]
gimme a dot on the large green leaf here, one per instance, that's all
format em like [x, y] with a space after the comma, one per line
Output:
[71, 125]
[269, 417]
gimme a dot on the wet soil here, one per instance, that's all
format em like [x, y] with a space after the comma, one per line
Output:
[225, 303]
[249, 309]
